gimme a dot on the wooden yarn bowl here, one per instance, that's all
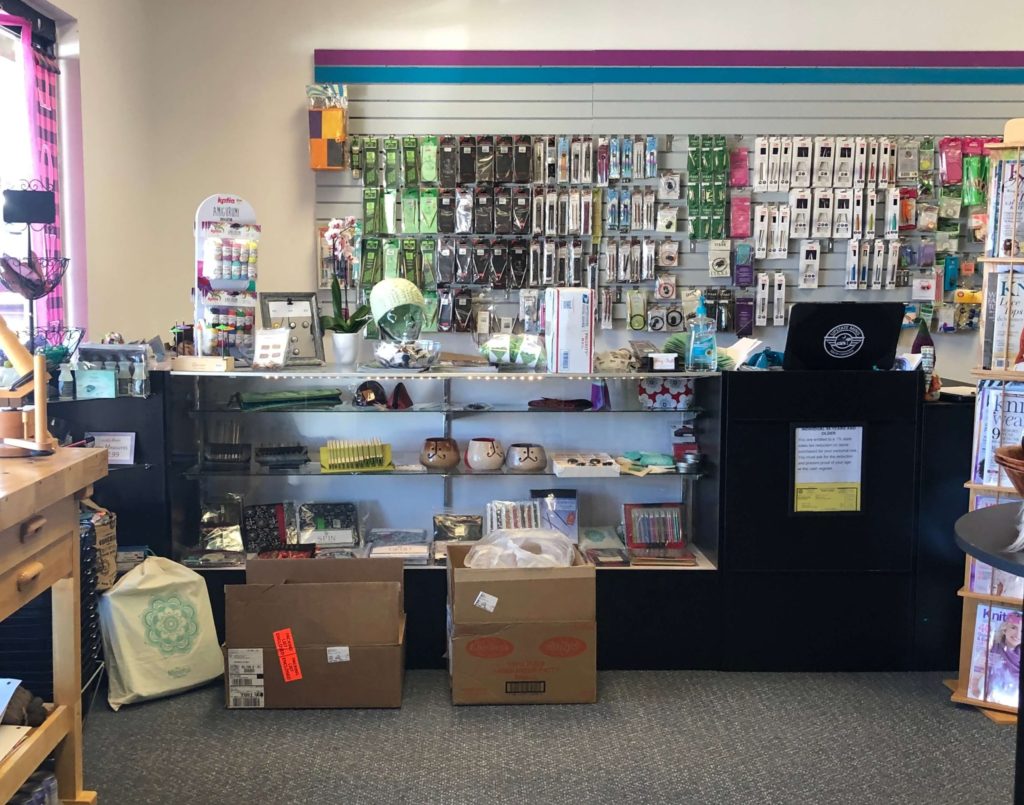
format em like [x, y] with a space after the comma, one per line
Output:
[1011, 459]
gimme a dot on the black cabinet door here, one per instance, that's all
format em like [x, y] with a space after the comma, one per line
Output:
[761, 531]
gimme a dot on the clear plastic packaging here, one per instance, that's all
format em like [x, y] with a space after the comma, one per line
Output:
[527, 547]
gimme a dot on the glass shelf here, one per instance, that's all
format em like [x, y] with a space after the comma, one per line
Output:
[313, 469]
[435, 408]
[433, 374]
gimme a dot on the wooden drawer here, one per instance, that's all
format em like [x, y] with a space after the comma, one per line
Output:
[30, 536]
[23, 582]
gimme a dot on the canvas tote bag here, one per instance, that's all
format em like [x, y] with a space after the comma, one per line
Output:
[158, 633]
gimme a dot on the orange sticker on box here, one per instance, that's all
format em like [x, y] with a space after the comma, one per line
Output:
[285, 643]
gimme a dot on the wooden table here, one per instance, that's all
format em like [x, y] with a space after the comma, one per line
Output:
[39, 546]
[985, 534]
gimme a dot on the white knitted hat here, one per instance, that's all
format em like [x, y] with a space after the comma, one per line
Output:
[391, 293]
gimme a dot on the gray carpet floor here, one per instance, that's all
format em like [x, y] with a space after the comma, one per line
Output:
[655, 737]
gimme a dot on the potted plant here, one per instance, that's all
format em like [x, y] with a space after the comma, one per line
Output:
[346, 330]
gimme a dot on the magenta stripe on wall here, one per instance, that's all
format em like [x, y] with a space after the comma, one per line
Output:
[668, 58]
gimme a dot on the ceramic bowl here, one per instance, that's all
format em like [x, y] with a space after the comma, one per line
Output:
[439, 453]
[484, 454]
[526, 457]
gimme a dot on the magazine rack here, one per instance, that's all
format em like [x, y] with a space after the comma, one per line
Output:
[989, 594]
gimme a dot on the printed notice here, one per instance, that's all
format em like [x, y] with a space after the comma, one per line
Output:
[827, 476]
[485, 601]
[245, 678]
[338, 654]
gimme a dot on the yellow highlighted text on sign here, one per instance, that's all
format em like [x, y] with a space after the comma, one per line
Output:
[819, 497]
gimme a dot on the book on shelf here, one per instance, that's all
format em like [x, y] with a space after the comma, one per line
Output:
[1006, 209]
[1002, 664]
[999, 421]
[979, 654]
[1006, 585]
[980, 577]
[994, 674]
[608, 557]
[987, 580]
[1002, 317]
[982, 500]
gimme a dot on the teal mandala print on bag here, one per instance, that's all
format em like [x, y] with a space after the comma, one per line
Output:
[170, 624]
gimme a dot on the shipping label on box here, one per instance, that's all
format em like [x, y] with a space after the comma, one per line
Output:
[569, 330]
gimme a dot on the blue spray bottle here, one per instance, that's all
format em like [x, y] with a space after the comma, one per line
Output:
[702, 355]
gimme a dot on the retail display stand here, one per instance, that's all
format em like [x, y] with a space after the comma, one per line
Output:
[987, 595]
[227, 238]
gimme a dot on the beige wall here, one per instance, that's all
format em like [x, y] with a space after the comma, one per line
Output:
[182, 98]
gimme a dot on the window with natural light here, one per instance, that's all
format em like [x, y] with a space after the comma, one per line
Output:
[15, 162]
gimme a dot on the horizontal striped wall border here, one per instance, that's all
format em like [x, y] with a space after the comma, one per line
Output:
[1000, 59]
[461, 74]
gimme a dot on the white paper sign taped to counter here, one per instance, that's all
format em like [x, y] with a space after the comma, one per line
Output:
[485, 601]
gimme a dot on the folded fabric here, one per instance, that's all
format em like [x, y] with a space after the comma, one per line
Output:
[285, 398]
[649, 459]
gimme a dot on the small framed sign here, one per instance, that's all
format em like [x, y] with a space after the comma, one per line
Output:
[299, 314]
[120, 446]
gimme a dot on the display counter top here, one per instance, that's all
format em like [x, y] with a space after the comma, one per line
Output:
[378, 373]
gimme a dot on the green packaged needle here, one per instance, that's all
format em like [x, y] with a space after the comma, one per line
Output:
[371, 210]
[410, 160]
[392, 248]
[371, 162]
[410, 210]
[391, 162]
[428, 159]
[428, 210]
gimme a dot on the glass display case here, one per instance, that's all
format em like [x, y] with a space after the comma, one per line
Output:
[405, 446]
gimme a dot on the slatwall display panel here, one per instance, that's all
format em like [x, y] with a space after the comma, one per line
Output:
[674, 111]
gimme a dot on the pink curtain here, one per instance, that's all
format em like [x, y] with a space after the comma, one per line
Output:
[41, 94]
[50, 309]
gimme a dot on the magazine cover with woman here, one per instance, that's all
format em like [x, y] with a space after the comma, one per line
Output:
[1002, 675]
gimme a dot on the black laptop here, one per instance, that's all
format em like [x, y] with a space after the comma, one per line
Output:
[843, 335]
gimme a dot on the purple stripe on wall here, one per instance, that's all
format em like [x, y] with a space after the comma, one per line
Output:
[668, 58]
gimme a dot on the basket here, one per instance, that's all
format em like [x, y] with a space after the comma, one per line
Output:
[1011, 459]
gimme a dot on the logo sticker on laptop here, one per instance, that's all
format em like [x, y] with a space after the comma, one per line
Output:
[844, 340]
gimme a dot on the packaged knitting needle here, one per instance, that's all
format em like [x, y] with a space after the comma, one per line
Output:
[448, 161]
[428, 159]
[392, 162]
[410, 210]
[410, 160]
[463, 210]
[371, 162]
[428, 209]
[651, 157]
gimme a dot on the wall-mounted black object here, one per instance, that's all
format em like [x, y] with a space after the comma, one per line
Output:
[29, 207]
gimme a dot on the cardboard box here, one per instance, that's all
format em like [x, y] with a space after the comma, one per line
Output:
[316, 633]
[569, 330]
[521, 636]
[104, 523]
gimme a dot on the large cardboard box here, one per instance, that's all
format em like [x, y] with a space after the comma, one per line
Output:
[316, 633]
[521, 636]
[569, 329]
